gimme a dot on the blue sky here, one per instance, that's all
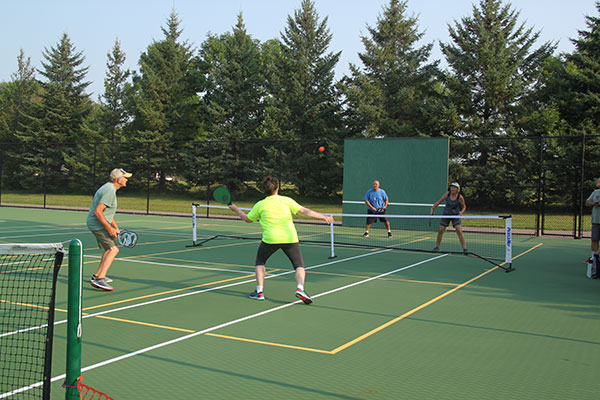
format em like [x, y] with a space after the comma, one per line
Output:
[93, 26]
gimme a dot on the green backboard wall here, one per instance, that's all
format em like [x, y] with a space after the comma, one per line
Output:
[412, 171]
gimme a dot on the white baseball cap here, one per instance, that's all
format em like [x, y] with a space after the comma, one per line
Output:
[117, 173]
[456, 185]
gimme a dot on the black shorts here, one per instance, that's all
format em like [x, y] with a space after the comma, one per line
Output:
[291, 250]
[446, 221]
[370, 220]
[595, 232]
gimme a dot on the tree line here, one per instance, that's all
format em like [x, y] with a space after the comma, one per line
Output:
[499, 82]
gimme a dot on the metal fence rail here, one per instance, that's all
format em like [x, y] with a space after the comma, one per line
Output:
[544, 180]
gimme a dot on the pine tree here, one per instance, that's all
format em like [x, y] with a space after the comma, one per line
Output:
[305, 85]
[166, 107]
[234, 100]
[495, 73]
[236, 84]
[582, 74]
[494, 67]
[396, 93]
[65, 103]
[305, 103]
[114, 114]
[60, 117]
[18, 99]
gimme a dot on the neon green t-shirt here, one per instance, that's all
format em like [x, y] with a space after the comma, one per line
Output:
[276, 218]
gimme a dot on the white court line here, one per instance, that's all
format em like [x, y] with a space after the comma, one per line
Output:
[176, 265]
[44, 234]
[192, 293]
[236, 321]
[63, 376]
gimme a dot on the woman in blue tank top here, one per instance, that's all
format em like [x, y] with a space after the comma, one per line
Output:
[455, 205]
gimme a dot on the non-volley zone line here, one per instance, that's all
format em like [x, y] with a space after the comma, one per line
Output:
[220, 326]
[147, 349]
[190, 293]
[383, 326]
[248, 317]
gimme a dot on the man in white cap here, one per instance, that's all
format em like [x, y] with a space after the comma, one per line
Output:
[101, 221]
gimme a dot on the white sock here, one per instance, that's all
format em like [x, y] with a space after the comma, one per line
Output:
[389, 231]
[259, 289]
[301, 287]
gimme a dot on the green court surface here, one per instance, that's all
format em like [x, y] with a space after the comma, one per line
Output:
[384, 324]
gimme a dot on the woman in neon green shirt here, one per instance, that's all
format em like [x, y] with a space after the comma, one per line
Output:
[275, 214]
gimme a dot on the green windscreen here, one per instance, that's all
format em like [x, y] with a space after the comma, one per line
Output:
[412, 171]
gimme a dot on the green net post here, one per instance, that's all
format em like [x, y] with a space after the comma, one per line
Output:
[74, 319]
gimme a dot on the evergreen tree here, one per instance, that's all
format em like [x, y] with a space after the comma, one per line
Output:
[494, 67]
[114, 114]
[65, 102]
[234, 100]
[304, 98]
[59, 118]
[580, 105]
[495, 72]
[18, 99]
[166, 106]
[236, 90]
[305, 83]
[397, 94]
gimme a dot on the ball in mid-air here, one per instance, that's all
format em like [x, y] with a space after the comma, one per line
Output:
[321, 149]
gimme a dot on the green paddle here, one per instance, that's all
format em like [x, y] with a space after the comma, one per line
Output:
[222, 195]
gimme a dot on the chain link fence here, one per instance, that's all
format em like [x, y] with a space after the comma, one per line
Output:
[542, 181]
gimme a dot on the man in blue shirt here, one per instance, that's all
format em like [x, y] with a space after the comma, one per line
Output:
[377, 201]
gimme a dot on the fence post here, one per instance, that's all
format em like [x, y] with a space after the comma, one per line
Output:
[46, 171]
[208, 185]
[581, 183]
[1, 164]
[148, 180]
[539, 185]
[94, 167]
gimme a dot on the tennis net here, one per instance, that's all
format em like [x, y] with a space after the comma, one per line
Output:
[28, 275]
[486, 237]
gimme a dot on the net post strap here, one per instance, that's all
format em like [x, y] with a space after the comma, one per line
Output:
[31, 248]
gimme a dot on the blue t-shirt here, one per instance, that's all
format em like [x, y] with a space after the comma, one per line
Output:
[376, 198]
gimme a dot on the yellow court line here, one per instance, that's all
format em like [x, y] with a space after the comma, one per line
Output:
[385, 279]
[21, 270]
[192, 249]
[163, 241]
[29, 305]
[200, 262]
[287, 346]
[412, 241]
[172, 252]
[145, 324]
[424, 305]
[168, 292]
[373, 331]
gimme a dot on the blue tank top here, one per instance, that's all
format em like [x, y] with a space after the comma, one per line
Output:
[452, 206]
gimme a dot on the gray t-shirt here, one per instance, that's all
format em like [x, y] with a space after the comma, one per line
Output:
[595, 196]
[107, 195]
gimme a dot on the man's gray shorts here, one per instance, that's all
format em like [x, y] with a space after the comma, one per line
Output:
[595, 232]
[104, 240]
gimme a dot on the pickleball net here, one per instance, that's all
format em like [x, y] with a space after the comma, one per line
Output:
[486, 237]
[28, 275]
